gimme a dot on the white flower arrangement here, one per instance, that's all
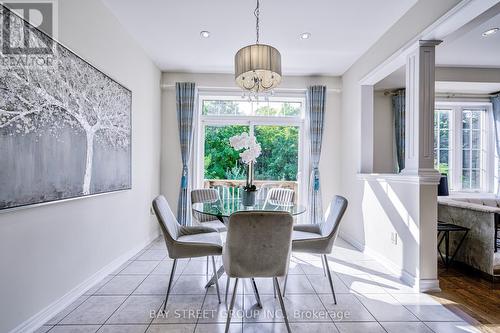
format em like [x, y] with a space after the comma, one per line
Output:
[252, 149]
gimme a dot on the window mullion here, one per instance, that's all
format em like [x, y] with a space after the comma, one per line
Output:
[457, 115]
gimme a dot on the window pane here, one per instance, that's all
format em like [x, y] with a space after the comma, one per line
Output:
[475, 179]
[443, 161]
[278, 108]
[476, 139]
[466, 179]
[476, 117]
[280, 149]
[466, 138]
[443, 139]
[444, 119]
[221, 160]
[476, 159]
[466, 119]
[466, 159]
[443, 157]
[225, 108]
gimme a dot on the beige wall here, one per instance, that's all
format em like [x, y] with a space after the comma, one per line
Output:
[368, 224]
[47, 251]
[383, 132]
[171, 160]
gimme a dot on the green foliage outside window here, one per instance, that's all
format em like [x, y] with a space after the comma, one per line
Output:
[279, 159]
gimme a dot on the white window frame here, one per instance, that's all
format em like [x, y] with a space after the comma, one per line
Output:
[487, 165]
[202, 121]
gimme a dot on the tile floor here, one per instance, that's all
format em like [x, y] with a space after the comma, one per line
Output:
[369, 300]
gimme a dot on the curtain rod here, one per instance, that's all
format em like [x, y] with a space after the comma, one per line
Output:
[463, 95]
[392, 92]
[450, 95]
[236, 89]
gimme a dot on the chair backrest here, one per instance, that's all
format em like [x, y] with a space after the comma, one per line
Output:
[333, 215]
[264, 189]
[204, 195]
[168, 223]
[258, 244]
[280, 195]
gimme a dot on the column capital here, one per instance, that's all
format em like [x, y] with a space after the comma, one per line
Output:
[432, 42]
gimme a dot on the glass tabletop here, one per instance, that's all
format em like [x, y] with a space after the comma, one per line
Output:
[226, 207]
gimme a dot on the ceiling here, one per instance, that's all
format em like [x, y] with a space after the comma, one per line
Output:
[465, 47]
[341, 31]
[468, 48]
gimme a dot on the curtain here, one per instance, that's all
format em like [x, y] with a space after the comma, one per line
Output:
[185, 93]
[496, 117]
[398, 109]
[316, 112]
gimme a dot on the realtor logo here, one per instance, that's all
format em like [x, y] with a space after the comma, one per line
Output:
[19, 36]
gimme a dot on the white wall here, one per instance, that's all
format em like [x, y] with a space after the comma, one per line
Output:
[171, 161]
[369, 224]
[46, 251]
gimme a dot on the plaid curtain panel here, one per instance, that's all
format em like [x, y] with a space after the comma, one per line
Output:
[185, 93]
[316, 111]
[398, 109]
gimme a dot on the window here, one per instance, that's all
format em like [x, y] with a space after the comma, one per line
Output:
[277, 125]
[463, 147]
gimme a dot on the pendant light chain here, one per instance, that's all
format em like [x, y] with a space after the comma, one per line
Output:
[257, 13]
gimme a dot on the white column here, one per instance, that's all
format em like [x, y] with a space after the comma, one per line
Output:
[419, 157]
[419, 122]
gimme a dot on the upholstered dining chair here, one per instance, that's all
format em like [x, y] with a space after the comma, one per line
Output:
[185, 242]
[280, 195]
[319, 238]
[264, 189]
[206, 195]
[257, 245]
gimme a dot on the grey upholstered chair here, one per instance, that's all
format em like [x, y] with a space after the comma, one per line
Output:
[280, 195]
[203, 196]
[185, 242]
[319, 238]
[264, 189]
[258, 245]
[206, 195]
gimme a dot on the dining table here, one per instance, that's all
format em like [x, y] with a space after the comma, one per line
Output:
[224, 207]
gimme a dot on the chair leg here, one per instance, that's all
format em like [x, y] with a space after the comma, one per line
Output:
[256, 293]
[284, 285]
[216, 280]
[207, 267]
[330, 279]
[228, 281]
[323, 264]
[231, 306]
[282, 304]
[274, 290]
[174, 265]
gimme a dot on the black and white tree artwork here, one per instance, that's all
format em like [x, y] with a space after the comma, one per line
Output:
[66, 109]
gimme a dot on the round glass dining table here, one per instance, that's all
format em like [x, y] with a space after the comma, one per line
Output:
[223, 208]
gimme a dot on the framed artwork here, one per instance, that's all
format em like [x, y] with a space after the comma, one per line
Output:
[65, 127]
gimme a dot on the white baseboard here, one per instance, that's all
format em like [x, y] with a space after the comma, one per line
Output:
[420, 285]
[50, 311]
[351, 240]
[427, 285]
